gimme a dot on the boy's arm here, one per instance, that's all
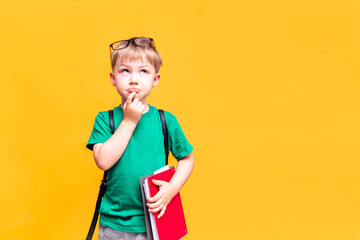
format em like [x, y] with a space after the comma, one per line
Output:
[169, 190]
[108, 153]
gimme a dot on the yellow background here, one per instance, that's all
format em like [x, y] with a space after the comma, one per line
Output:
[266, 91]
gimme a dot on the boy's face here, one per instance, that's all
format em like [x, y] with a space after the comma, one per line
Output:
[134, 76]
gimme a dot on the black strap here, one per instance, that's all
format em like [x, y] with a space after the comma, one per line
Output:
[103, 182]
[103, 186]
[111, 121]
[165, 133]
[97, 207]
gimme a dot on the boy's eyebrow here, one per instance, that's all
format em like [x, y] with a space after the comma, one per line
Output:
[144, 65]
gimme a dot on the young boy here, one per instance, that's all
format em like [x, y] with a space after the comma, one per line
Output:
[136, 148]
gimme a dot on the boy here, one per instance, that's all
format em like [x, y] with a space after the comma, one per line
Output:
[136, 148]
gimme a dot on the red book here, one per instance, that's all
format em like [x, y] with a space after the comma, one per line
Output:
[171, 226]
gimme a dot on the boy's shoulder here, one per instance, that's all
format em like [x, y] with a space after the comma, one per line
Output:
[105, 113]
[103, 116]
[168, 115]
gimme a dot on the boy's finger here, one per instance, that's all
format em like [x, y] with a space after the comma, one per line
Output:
[154, 210]
[158, 182]
[135, 101]
[139, 104]
[130, 97]
[162, 212]
[154, 205]
[154, 198]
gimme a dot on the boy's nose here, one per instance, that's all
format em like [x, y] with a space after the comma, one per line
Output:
[133, 79]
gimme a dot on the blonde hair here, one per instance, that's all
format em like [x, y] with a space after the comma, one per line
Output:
[133, 52]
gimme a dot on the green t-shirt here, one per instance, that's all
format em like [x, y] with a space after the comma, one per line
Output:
[121, 207]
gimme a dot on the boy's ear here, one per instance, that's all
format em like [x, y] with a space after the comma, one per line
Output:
[156, 80]
[112, 79]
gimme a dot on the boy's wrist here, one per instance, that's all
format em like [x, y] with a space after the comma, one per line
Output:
[174, 188]
[129, 123]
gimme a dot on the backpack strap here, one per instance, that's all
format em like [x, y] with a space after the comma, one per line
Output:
[111, 121]
[112, 128]
[103, 186]
[165, 132]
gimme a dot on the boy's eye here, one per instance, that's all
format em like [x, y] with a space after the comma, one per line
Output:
[124, 71]
[143, 71]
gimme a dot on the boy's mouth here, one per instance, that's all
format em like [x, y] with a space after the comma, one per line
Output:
[130, 90]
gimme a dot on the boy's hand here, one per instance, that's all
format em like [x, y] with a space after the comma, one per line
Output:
[160, 201]
[133, 109]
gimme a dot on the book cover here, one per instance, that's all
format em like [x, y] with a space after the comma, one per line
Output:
[172, 225]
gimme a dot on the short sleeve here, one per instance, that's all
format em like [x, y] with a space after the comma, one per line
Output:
[101, 131]
[178, 144]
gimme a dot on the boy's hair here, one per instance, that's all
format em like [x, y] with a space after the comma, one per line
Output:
[135, 52]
